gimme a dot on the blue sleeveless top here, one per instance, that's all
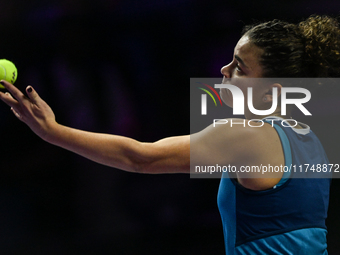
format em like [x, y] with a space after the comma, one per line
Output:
[290, 217]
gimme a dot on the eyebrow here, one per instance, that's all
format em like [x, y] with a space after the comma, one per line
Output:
[240, 60]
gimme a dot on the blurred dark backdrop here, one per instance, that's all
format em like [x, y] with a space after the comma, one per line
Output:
[115, 66]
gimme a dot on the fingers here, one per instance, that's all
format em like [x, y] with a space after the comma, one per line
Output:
[32, 94]
[9, 95]
[18, 102]
[16, 113]
[8, 99]
[16, 93]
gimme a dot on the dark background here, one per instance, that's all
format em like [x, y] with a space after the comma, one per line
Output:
[123, 67]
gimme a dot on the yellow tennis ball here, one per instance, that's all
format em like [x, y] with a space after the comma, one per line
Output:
[8, 71]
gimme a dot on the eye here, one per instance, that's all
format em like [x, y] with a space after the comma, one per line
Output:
[238, 68]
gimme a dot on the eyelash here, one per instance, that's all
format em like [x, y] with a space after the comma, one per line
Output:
[238, 69]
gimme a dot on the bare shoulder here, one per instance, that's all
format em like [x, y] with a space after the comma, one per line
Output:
[240, 143]
[233, 140]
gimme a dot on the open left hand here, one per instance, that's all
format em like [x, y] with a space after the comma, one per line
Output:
[30, 109]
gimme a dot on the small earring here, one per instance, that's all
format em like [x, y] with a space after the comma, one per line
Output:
[265, 99]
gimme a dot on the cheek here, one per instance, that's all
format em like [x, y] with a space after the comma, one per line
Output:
[256, 95]
[226, 97]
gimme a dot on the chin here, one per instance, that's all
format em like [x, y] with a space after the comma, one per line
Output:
[226, 97]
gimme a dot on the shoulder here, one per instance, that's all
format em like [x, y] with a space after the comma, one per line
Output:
[240, 143]
[234, 140]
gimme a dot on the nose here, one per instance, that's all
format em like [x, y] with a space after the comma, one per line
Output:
[226, 71]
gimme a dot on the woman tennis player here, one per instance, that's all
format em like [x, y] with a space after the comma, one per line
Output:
[261, 214]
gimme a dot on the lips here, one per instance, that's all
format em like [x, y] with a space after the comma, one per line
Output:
[225, 80]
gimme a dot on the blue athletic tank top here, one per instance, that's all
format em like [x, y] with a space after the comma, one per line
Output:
[290, 217]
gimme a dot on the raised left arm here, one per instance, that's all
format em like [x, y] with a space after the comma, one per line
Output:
[169, 155]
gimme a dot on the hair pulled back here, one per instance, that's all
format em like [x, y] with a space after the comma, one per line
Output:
[308, 49]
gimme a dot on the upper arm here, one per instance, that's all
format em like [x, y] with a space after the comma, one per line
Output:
[169, 155]
[223, 145]
[175, 154]
[240, 147]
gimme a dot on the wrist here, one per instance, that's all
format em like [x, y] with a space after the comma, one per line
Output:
[50, 133]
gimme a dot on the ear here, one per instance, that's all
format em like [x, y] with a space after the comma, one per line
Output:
[268, 97]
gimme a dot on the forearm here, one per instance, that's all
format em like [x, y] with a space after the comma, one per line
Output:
[111, 150]
[169, 155]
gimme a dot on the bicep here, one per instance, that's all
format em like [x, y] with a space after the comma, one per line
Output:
[215, 145]
[169, 155]
[176, 154]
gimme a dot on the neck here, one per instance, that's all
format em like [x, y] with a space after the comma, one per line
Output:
[276, 113]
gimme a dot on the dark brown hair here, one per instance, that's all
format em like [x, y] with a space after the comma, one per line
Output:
[310, 48]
